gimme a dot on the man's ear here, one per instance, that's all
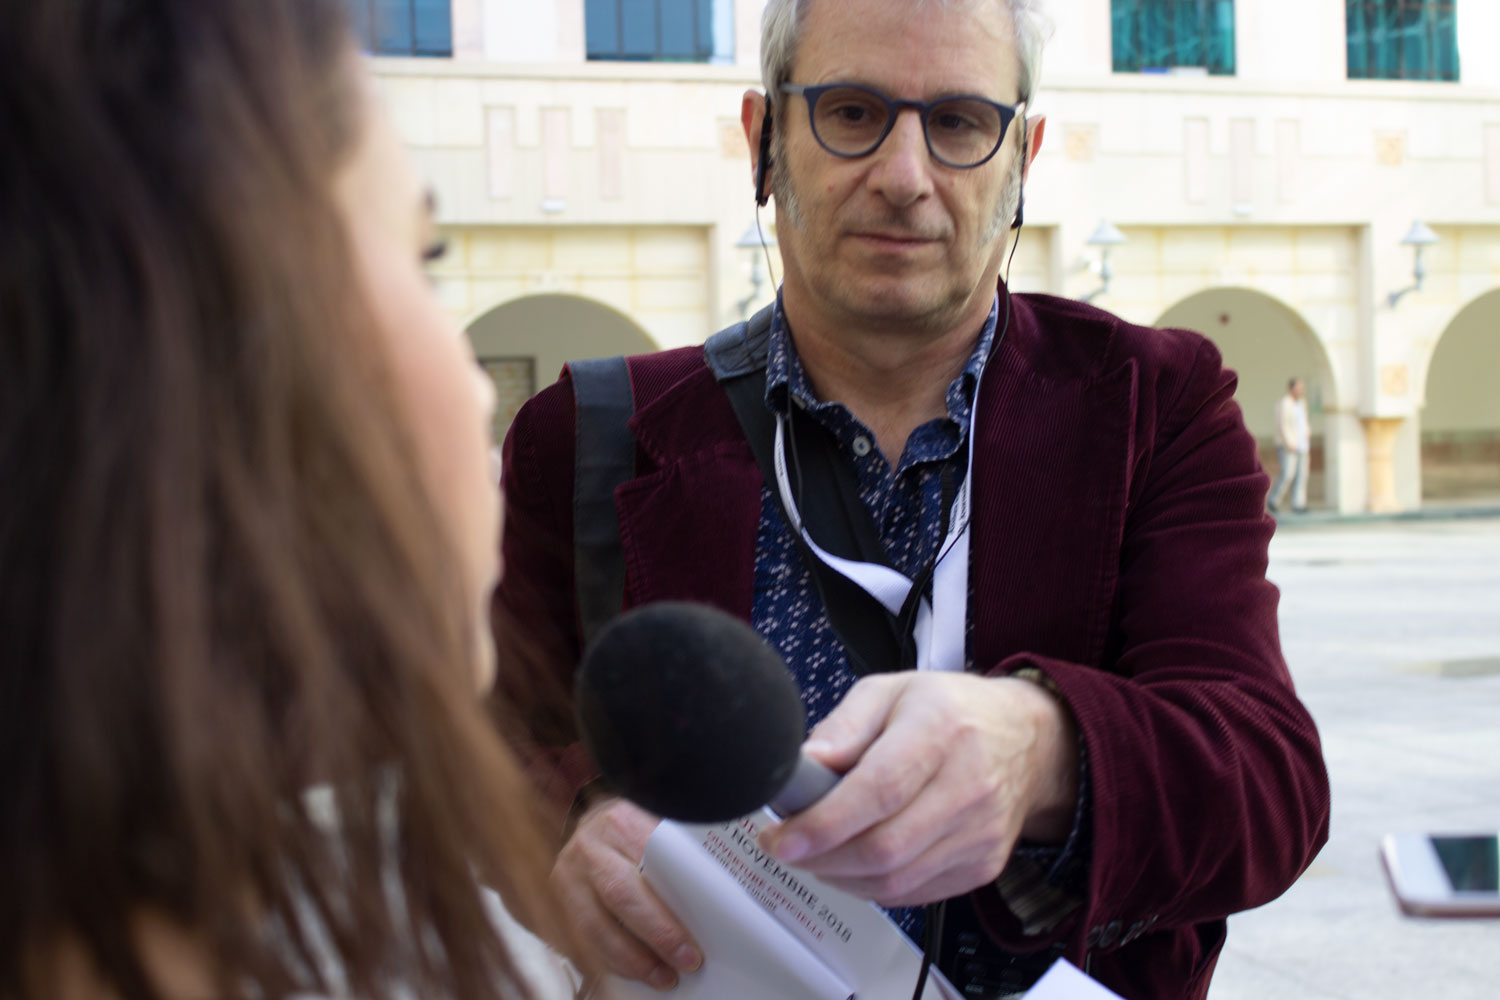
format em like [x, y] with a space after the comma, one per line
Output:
[752, 115]
[1036, 128]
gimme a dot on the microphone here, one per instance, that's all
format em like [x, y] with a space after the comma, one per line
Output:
[692, 716]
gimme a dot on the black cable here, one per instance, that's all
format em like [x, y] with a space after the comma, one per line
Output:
[789, 435]
[906, 620]
[932, 944]
[760, 232]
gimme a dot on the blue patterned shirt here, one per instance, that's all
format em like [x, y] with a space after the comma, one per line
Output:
[905, 503]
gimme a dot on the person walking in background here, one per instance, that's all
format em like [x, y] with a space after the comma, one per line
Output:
[1293, 439]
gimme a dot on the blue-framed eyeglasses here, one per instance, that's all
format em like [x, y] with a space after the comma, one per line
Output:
[851, 120]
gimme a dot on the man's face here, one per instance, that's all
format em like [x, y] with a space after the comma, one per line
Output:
[895, 238]
[1298, 389]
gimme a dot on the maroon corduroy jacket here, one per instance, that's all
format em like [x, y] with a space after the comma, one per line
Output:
[1119, 547]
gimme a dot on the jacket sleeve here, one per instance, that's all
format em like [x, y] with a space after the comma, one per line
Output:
[534, 610]
[1209, 793]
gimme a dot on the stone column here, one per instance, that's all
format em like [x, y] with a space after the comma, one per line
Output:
[1380, 451]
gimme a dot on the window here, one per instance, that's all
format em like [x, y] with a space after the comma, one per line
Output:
[660, 30]
[1403, 39]
[404, 27]
[1155, 36]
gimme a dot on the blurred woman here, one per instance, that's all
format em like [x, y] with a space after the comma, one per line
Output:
[247, 532]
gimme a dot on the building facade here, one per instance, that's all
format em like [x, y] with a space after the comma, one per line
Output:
[1265, 161]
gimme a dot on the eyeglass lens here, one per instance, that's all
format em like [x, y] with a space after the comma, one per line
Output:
[960, 132]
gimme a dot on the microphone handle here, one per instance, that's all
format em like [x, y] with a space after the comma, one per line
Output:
[809, 782]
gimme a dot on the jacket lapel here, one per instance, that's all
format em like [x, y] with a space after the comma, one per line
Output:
[688, 523]
[1053, 458]
[1053, 461]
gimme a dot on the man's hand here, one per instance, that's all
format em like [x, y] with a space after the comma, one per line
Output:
[598, 879]
[944, 773]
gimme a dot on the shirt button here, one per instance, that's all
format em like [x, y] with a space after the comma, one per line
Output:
[862, 446]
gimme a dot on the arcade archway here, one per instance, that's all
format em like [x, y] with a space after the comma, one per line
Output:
[524, 344]
[1461, 413]
[1266, 342]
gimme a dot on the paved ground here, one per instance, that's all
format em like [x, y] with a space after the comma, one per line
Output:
[1392, 631]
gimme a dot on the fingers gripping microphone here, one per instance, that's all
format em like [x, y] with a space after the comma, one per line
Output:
[690, 715]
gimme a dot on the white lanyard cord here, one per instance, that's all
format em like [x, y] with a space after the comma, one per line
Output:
[942, 622]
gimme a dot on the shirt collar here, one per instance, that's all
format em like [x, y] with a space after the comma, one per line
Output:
[786, 379]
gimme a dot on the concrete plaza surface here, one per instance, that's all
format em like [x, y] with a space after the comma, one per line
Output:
[1392, 632]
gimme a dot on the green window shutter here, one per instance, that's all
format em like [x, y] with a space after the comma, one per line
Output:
[1153, 36]
[1402, 39]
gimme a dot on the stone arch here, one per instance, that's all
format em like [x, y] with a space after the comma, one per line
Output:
[1460, 418]
[524, 343]
[1267, 342]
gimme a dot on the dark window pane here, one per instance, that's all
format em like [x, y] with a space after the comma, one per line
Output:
[1156, 38]
[673, 30]
[638, 29]
[434, 28]
[1185, 36]
[1359, 41]
[1221, 54]
[393, 34]
[677, 29]
[1412, 30]
[1126, 43]
[601, 25]
[1447, 45]
[705, 22]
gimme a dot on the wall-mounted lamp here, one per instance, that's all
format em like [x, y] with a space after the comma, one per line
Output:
[1418, 238]
[1105, 236]
[760, 242]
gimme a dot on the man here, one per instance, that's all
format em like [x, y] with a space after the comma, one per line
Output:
[1293, 439]
[1116, 760]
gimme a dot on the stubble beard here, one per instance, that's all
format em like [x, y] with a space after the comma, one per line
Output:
[789, 203]
[1010, 202]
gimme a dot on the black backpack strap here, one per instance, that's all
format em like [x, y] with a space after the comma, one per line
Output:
[740, 349]
[830, 504]
[603, 459]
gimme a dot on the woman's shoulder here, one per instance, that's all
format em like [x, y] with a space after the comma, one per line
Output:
[549, 975]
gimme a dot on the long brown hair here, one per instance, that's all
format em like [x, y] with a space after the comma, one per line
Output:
[220, 577]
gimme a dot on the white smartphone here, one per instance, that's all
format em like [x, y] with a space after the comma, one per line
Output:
[1444, 875]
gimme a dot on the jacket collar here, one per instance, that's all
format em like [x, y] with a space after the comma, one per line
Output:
[1056, 437]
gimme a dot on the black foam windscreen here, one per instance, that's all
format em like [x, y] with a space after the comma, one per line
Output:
[688, 712]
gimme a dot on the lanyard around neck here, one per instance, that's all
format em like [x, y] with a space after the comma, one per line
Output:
[942, 622]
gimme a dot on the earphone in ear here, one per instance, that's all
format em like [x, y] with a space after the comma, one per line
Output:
[1021, 187]
[763, 161]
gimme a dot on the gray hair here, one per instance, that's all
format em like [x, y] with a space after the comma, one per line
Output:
[779, 28]
[781, 24]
